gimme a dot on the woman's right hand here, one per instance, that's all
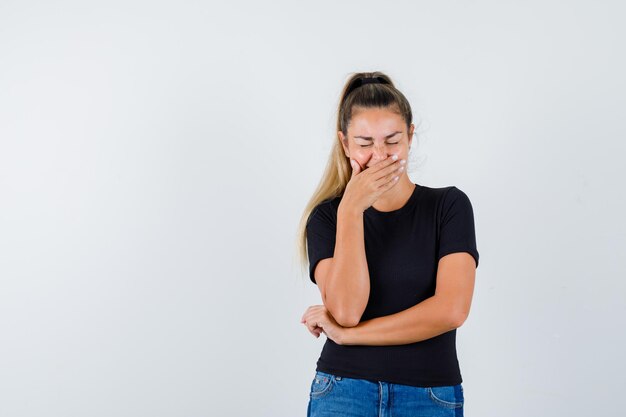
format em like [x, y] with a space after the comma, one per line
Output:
[366, 186]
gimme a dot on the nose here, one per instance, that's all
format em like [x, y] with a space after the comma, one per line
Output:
[379, 152]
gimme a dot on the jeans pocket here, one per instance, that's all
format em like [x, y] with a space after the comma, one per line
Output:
[450, 396]
[321, 385]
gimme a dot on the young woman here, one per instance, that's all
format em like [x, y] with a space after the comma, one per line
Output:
[395, 264]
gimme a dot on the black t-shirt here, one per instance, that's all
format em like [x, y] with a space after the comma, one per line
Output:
[402, 248]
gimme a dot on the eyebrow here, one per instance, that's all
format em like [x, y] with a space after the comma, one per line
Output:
[371, 138]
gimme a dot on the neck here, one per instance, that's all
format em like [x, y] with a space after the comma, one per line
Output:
[396, 197]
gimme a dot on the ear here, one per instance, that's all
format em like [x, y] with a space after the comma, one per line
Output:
[344, 143]
[411, 130]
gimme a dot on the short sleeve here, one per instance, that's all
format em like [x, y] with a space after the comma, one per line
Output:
[457, 232]
[321, 232]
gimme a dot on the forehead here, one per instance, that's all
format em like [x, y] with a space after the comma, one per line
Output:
[374, 122]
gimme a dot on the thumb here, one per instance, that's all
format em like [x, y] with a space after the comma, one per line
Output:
[356, 168]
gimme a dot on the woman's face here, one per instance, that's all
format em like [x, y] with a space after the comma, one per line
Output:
[374, 134]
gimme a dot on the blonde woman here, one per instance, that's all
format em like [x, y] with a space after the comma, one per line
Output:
[395, 264]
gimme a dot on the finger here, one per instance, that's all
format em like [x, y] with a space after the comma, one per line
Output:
[390, 167]
[303, 318]
[315, 333]
[368, 160]
[311, 325]
[388, 173]
[388, 182]
[383, 163]
[310, 311]
[356, 167]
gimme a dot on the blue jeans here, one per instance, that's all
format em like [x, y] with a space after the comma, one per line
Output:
[333, 395]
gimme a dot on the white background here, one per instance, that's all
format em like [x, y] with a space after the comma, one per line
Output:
[155, 158]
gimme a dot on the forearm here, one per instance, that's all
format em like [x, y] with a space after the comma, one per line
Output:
[425, 320]
[348, 287]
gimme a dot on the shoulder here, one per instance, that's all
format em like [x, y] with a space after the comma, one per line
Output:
[453, 193]
[446, 199]
[441, 191]
[454, 204]
[442, 194]
[447, 192]
[455, 197]
[326, 210]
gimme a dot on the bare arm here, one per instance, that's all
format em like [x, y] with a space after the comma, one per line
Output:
[346, 283]
[446, 310]
[427, 319]
[344, 280]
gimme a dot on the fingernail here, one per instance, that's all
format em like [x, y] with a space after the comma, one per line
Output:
[394, 157]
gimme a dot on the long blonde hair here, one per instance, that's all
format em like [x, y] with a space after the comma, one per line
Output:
[338, 169]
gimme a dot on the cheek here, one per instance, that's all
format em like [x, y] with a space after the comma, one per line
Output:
[362, 156]
[401, 149]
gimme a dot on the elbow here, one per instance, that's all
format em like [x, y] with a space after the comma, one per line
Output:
[349, 322]
[343, 318]
[457, 319]
[346, 319]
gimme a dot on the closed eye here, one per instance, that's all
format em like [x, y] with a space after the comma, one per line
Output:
[388, 143]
